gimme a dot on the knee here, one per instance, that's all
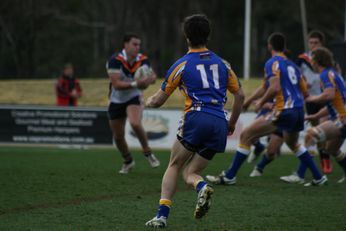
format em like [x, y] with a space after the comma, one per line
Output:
[272, 152]
[245, 137]
[313, 135]
[185, 174]
[136, 125]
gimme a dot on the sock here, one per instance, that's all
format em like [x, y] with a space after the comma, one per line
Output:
[301, 169]
[259, 147]
[200, 184]
[127, 158]
[240, 156]
[164, 208]
[264, 162]
[146, 154]
[306, 158]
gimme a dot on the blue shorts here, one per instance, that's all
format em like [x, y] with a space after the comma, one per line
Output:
[289, 120]
[203, 133]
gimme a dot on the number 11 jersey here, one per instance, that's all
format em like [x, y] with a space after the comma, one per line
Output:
[203, 78]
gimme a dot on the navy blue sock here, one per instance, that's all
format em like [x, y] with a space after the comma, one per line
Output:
[238, 160]
[200, 185]
[264, 162]
[163, 211]
[259, 147]
[308, 161]
[301, 169]
[164, 208]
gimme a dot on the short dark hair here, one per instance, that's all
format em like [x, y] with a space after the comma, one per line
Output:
[277, 41]
[130, 35]
[197, 29]
[323, 57]
[317, 34]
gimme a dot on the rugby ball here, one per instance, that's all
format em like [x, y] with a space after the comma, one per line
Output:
[143, 72]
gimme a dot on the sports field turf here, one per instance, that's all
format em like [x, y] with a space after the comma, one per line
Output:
[66, 189]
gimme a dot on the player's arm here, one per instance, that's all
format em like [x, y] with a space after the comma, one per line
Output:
[157, 100]
[259, 92]
[303, 87]
[328, 92]
[172, 81]
[273, 89]
[236, 109]
[113, 69]
[117, 83]
[235, 88]
[320, 114]
[327, 95]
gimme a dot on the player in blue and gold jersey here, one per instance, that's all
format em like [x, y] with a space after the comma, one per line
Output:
[288, 89]
[203, 79]
[333, 94]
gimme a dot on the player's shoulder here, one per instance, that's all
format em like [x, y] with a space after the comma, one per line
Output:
[291, 63]
[182, 61]
[269, 63]
[116, 58]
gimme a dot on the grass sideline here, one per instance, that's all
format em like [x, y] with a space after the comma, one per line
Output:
[67, 189]
[95, 91]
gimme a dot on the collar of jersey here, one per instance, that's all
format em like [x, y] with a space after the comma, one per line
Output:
[281, 54]
[198, 50]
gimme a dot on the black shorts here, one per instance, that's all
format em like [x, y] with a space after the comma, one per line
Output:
[312, 108]
[118, 110]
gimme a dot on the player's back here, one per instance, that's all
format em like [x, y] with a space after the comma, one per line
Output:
[205, 80]
[291, 95]
[330, 78]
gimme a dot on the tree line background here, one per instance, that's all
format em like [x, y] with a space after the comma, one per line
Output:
[37, 37]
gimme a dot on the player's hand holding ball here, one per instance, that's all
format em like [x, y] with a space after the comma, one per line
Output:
[144, 76]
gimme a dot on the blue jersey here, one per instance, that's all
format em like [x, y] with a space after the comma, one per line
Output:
[331, 79]
[203, 79]
[293, 86]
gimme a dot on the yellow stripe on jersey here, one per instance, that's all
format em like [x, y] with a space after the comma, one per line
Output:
[303, 86]
[173, 80]
[233, 83]
[279, 98]
[338, 101]
[331, 78]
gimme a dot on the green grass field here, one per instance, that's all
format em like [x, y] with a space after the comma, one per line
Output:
[71, 189]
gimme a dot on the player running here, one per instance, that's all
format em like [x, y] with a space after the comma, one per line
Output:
[286, 86]
[126, 99]
[275, 140]
[203, 79]
[334, 95]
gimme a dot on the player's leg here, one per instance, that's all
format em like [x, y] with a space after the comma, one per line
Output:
[259, 148]
[192, 176]
[134, 114]
[258, 128]
[291, 139]
[325, 161]
[118, 129]
[273, 148]
[179, 156]
[335, 138]
[117, 121]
